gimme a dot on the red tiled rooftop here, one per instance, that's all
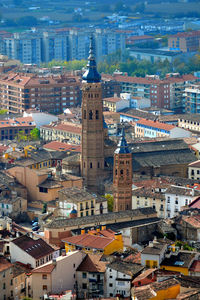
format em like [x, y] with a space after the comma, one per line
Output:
[155, 124]
[112, 99]
[195, 164]
[59, 146]
[18, 122]
[194, 220]
[195, 267]
[74, 128]
[187, 34]
[44, 269]
[92, 263]
[90, 241]
[195, 203]
[4, 264]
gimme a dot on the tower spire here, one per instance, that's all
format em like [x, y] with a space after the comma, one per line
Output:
[122, 146]
[91, 75]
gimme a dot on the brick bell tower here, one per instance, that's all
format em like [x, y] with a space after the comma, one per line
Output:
[122, 176]
[92, 158]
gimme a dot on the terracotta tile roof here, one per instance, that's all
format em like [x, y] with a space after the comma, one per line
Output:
[155, 124]
[194, 220]
[74, 128]
[20, 268]
[144, 275]
[18, 122]
[89, 241]
[134, 258]
[44, 269]
[112, 99]
[195, 164]
[187, 34]
[4, 264]
[195, 267]
[92, 263]
[195, 203]
[59, 146]
[35, 248]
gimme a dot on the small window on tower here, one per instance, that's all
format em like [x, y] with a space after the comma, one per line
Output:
[84, 165]
[98, 165]
[84, 114]
[121, 172]
[115, 172]
[97, 115]
[90, 115]
[127, 172]
[90, 165]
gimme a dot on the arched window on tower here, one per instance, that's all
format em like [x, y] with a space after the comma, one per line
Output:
[97, 115]
[98, 165]
[90, 165]
[121, 172]
[116, 172]
[84, 114]
[127, 172]
[90, 115]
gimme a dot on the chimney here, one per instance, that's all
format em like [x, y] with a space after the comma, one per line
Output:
[118, 236]
[103, 227]
[150, 244]
[82, 231]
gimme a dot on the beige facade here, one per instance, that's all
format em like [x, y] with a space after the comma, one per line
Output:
[66, 131]
[115, 104]
[40, 186]
[6, 277]
[13, 206]
[85, 203]
[194, 170]
[56, 276]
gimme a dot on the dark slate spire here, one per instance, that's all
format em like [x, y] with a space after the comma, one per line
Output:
[91, 74]
[122, 146]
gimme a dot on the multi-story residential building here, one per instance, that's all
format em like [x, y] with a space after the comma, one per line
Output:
[194, 170]
[90, 276]
[66, 131]
[192, 99]
[108, 42]
[6, 273]
[26, 47]
[83, 202]
[119, 276]
[10, 128]
[12, 206]
[55, 46]
[167, 93]
[185, 41]
[20, 92]
[176, 197]
[52, 278]
[154, 129]
[29, 251]
[150, 197]
[115, 104]
[153, 255]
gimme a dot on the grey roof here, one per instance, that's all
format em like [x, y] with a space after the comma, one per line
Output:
[155, 250]
[190, 117]
[183, 259]
[156, 52]
[179, 190]
[127, 268]
[75, 194]
[98, 219]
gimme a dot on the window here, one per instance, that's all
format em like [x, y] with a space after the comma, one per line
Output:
[11, 282]
[84, 114]
[90, 165]
[74, 265]
[4, 286]
[84, 275]
[44, 276]
[44, 287]
[90, 115]
[110, 284]
[97, 114]
[84, 286]
[43, 190]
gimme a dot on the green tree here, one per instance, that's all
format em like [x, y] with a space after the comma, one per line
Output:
[21, 136]
[3, 111]
[110, 201]
[35, 134]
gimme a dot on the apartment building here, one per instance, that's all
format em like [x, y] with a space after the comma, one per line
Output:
[6, 273]
[10, 128]
[154, 129]
[194, 170]
[115, 104]
[26, 47]
[20, 92]
[67, 131]
[185, 41]
[192, 99]
[167, 93]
